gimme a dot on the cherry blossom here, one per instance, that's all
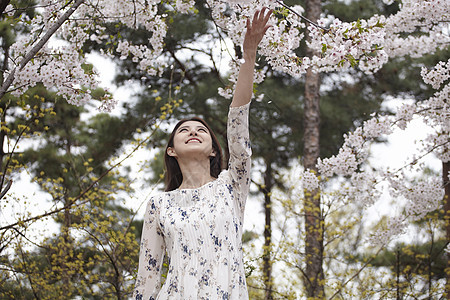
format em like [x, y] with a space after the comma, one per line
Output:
[309, 180]
[438, 75]
[364, 43]
[363, 184]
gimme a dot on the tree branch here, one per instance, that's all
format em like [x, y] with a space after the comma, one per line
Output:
[39, 46]
[356, 274]
[6, 189]
[302, 17]
[3, 5]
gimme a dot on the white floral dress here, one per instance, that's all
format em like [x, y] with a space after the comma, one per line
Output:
[201, 230]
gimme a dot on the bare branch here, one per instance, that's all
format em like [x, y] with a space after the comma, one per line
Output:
[356, 274]
[6, 189]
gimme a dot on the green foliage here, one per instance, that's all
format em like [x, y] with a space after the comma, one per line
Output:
[362, 9]
[426, 258]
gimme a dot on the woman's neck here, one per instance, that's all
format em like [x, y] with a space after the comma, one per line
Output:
[195, 173]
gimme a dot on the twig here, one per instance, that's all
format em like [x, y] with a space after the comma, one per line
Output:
[356, 274]
[302, 17]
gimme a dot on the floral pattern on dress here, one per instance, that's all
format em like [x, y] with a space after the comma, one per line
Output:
[201, 231]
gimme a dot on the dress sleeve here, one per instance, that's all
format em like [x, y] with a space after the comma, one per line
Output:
[240, 153]
[151, 254]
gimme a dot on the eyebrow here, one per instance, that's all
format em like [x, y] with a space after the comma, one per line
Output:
[186, 126]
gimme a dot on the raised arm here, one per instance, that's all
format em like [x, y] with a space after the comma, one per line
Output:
[255, 32]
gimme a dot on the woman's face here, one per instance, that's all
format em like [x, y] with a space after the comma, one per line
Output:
[192, 138]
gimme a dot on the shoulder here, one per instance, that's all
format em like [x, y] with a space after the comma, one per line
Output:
[224, 177]
[158, 199]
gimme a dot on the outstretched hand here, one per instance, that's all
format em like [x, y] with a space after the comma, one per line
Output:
[256, 30]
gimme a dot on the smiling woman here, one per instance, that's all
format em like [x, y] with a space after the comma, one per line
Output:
[188, 130]
[198, 220]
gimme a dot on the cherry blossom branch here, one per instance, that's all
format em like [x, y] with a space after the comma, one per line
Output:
[3, 6]
[29, 56]
[414, 161]
[302, 17]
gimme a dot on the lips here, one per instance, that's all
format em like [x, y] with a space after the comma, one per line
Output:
[193, 140]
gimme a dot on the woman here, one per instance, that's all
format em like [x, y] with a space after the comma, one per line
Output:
[198, 220]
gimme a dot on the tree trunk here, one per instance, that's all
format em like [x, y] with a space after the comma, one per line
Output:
[313, 275]
[267, 262]
[4, 107]
[3, 135]
[445, 174]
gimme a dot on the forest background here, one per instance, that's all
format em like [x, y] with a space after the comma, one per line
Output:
[334, 223]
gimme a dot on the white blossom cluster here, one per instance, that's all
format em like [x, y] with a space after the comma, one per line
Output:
[61, 71]
[399, 46]
[309, 180]
[438, 75]
[436, 110]
[418, 14]
[349, 44]
[395, 226]
[447, 249]
[405, 114]
[61, 65]
[423, 196]
[362, 188]
[355, 149]
[426, 19]
[365, 43]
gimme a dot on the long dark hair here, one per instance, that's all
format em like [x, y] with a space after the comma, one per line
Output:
[173, 175]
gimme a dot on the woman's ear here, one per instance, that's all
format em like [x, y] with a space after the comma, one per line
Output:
[213, 153]
[171, 152]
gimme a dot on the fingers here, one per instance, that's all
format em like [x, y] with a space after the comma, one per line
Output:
[256, 28]
[261, 14]
[267, 17]
[255, 17]
[260, 17]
